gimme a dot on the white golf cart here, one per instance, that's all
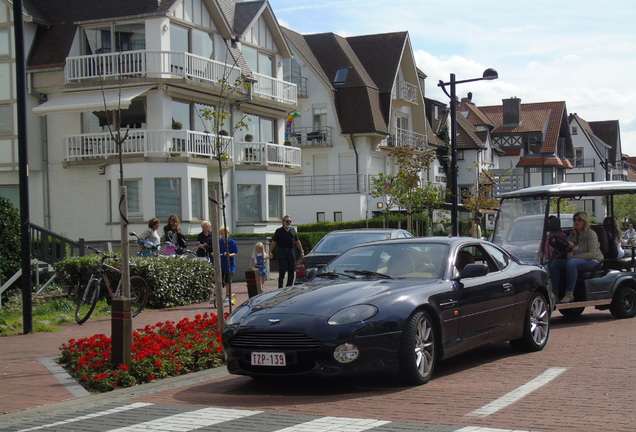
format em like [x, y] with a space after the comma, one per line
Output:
[520, 228]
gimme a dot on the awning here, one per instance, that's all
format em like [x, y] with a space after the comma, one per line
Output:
[91, 100]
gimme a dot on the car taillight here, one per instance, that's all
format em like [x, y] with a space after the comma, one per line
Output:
[300, 268]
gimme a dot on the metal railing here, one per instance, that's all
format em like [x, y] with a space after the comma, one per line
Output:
[405, 90]
[275, 89]
[327, 184]
[147, 142]
[149, 64]
[407, 138]
[307, 136]
[301, 84]
[267, 154]
[50, 247]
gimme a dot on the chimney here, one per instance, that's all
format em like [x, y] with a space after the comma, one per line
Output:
[511, 111]
[468, 99]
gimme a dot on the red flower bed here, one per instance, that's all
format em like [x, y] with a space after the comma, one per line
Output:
[158, 351]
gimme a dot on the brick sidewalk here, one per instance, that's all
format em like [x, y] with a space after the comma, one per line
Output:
[27, 383]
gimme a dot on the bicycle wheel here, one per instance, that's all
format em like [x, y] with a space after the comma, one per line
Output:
[138, 294]
[86, 300]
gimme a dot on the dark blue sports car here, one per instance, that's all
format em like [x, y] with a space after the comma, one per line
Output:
[395, 306]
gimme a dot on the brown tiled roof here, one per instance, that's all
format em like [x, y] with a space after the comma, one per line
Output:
[475, 115]
[549, 118]
[467, 135]
[358, 100]
[609, 132]
[299, 42]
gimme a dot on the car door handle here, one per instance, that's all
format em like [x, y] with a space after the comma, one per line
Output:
[448, 304]
[507, 287]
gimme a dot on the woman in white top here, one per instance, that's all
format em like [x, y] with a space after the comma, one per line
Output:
[151, 233]
[611, 225]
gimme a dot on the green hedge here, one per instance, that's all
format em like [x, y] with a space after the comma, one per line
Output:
[171, 282]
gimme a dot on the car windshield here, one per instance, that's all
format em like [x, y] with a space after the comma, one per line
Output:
[337, 243]
[397, 260]
[520, 225]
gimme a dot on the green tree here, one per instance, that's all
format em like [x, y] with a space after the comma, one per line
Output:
[625, 208]
[404, 188]
[9, 239]
[481, 197]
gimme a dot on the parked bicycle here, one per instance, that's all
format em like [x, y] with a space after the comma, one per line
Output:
[88, 296]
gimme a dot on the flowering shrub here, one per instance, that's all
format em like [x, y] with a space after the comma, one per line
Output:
[158, 351]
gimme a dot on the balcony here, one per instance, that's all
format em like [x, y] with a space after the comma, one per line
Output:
[275, 89]
[146, 143]
[262, 154]
[405, 91]
[406, 138]
[327, 184]
[307, 136]
[582, 163]
[149, 64]
[301, 84]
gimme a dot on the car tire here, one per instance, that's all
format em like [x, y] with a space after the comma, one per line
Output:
[536, 325]
[624, 303]
[572, 312]
[417, 355]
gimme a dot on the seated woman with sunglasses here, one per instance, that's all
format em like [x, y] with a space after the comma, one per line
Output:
[584, 255]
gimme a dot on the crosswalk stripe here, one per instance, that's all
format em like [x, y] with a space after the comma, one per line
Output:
[188, 421]
[90, 416]
[340, 424]
[518, 393]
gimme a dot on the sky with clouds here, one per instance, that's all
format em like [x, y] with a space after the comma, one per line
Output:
[582, 52]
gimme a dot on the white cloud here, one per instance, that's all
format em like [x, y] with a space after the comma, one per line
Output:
[583, 53]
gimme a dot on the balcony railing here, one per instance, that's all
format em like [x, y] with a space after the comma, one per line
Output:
[275, 89]
[301, 84]
[327, 184]
[405, 137]
[582, 163]
[149, 64]
[144, 142]
[306, 136]
[406, 91]
[267, 154]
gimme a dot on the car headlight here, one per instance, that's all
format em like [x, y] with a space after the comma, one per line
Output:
[353, 314]
[237, 315]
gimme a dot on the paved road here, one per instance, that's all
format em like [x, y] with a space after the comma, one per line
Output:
[583, 381]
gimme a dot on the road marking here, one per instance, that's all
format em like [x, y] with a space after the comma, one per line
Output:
[188, 421]
[517, 393]
[90, 416]
[340, 424]
[485, 429]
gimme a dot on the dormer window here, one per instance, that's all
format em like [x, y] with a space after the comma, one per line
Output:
[341, 76]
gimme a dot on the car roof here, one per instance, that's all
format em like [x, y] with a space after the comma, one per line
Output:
[432, 239]
[364, 230]
[601, 188]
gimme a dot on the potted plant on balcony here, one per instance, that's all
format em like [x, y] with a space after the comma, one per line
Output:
[249, 138]
[177, 143]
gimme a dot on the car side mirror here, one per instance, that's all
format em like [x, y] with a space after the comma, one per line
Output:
[474, 270]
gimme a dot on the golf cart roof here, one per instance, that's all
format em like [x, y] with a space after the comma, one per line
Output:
[600, 188]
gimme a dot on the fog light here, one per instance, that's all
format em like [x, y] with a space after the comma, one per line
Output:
[346, 353]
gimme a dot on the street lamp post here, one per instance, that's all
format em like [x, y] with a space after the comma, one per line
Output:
[489, 74]
[606, 165]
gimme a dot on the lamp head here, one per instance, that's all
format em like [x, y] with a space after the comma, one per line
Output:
[490, 74]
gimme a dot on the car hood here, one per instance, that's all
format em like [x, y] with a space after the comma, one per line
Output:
[325, 298]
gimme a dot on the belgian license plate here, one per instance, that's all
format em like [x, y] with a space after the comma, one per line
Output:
[268, 359]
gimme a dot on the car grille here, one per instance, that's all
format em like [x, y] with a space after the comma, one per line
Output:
[287, 341]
